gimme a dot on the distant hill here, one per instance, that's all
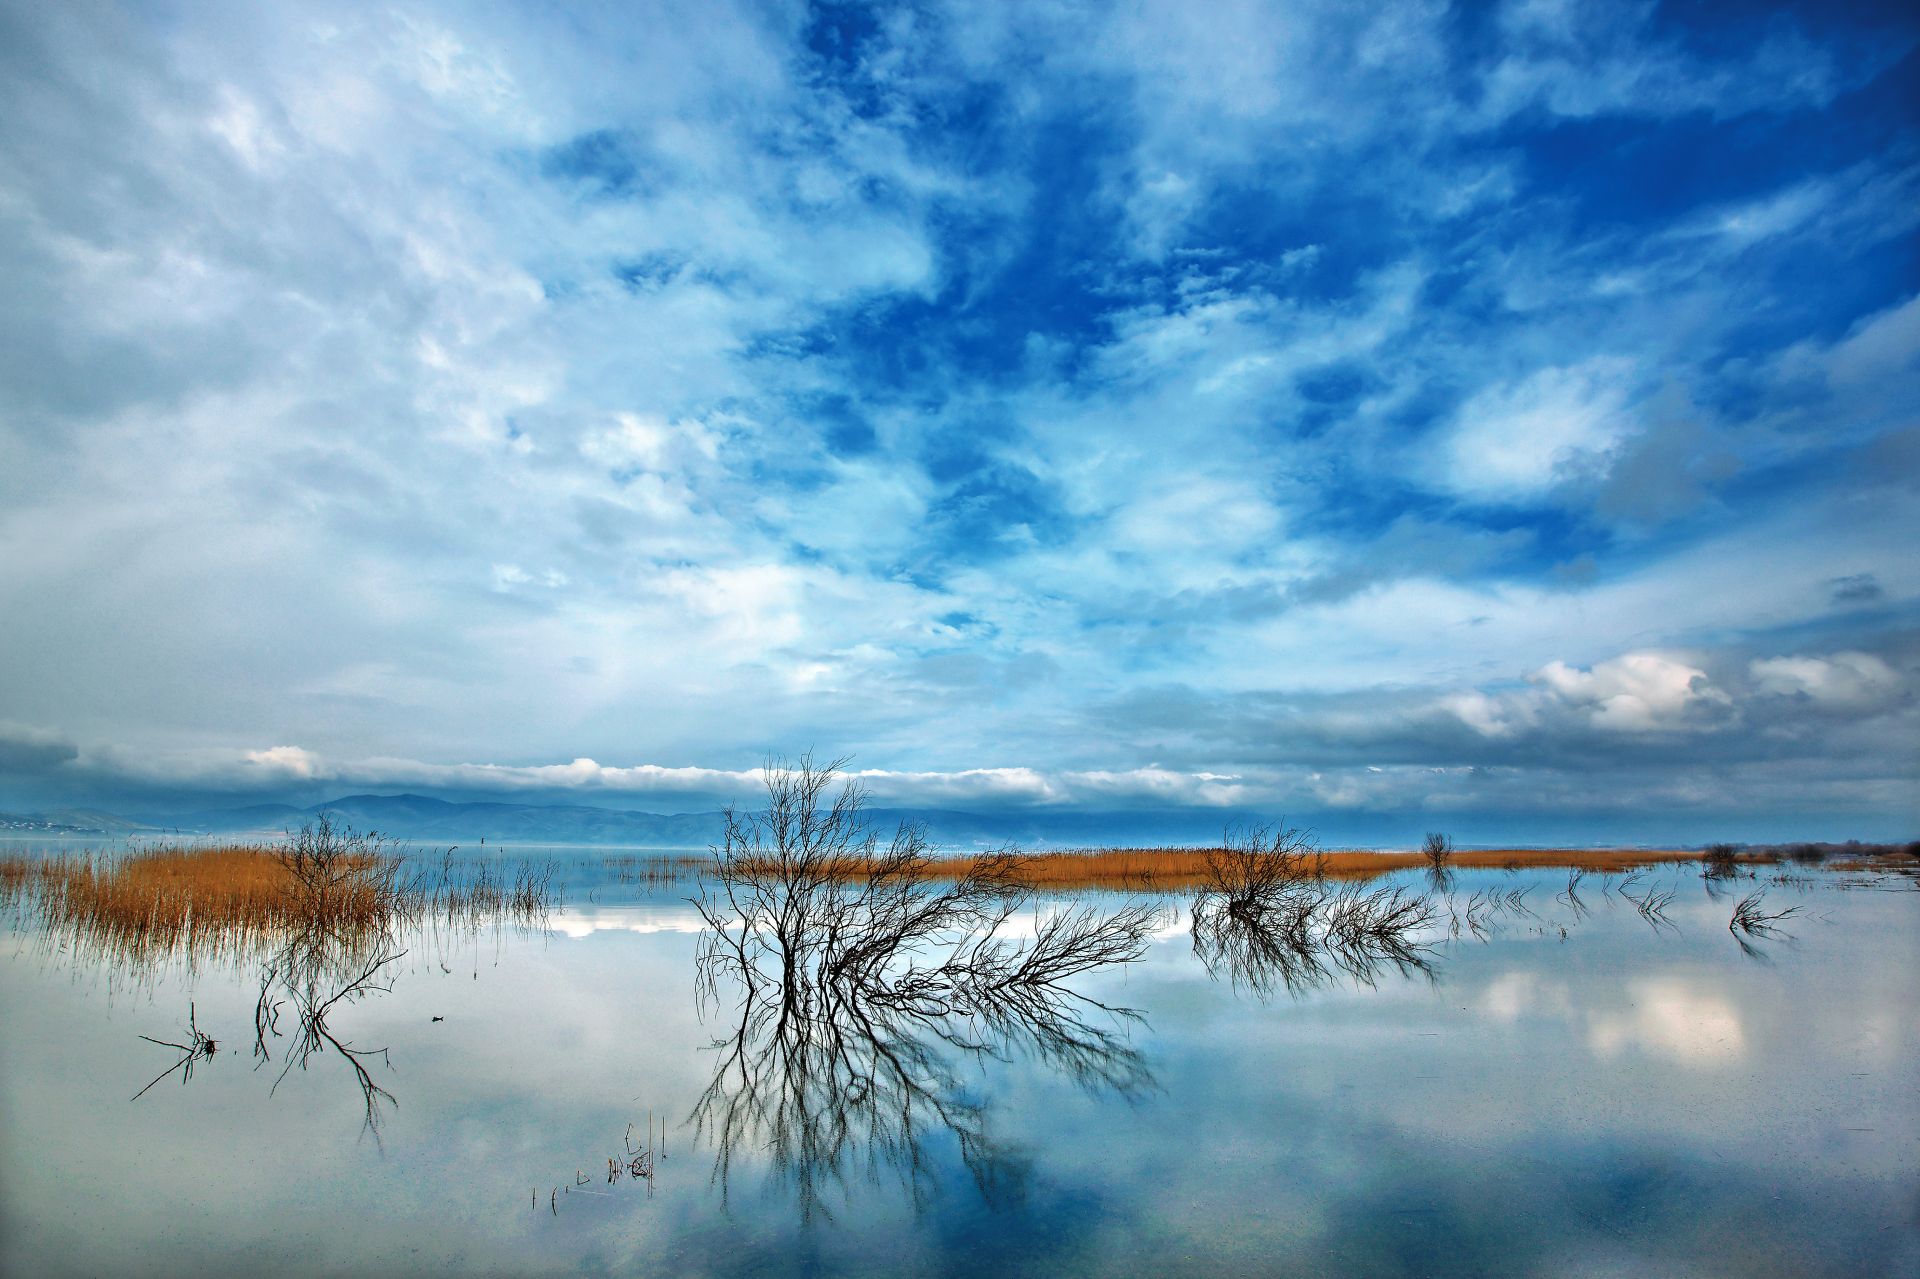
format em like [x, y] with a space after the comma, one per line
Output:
[71, 821]
[425, 819]
[254, 817]
[422, 818]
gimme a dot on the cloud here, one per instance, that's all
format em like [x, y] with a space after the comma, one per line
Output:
[1052, 406]
[279, 764]
[1636, 692]
[1521, 439]
[27, 750]
[1855, 588]
[1846, 681]
[276, 769]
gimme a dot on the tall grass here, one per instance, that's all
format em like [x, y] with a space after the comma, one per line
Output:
[1181, 869]
[241, 899]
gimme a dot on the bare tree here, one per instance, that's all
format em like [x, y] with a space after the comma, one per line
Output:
[802, 900]
[865, 980]
[1268, 919]
[1256, 872]
[1717, 861]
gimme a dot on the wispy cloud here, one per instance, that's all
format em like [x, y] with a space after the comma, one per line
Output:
[956, 388]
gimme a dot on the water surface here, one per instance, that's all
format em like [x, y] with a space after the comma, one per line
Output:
[1580, 1091]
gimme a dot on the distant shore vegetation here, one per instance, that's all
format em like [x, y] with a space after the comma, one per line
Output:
[1181, 869]
[230, 896]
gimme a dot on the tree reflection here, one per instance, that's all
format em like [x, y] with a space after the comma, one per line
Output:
[317, 972]
[866, 991]
[1269, 921]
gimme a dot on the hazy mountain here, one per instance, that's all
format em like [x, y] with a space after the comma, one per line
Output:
[253, 817]
[425, 819]
[71, 821]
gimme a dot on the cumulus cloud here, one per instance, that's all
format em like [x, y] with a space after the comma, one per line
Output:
[1845, 681]
[1636, 692]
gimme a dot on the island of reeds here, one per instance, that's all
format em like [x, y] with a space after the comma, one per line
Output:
[237, 899]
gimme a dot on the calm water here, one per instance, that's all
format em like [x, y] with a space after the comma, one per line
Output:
[1621, 1099]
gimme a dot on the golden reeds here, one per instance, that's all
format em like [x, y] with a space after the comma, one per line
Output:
[241, 899]
[1180, 869]
[151, 903]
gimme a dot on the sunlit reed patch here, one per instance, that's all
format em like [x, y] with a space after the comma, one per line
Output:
[238, 900]
[1183, 869]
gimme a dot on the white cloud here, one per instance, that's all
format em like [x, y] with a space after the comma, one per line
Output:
[1520, 439]
[1493, 716]
[1634, 693]
[277, 766]
[1850, 681]
[282, 764]
[1669, 1018]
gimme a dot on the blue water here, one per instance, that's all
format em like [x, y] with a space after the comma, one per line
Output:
[1578, 1092]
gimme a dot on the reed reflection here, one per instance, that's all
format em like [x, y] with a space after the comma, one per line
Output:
[862, 992]
[322, 913]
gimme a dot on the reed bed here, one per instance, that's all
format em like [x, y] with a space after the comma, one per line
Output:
[1181, 869]
[204, 901]
[239, 900]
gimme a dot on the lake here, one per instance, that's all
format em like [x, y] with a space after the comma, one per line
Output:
[1560, 1085]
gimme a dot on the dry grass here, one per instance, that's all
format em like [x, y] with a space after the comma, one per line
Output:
[202, 900]
[1179, 869]
[239, 899]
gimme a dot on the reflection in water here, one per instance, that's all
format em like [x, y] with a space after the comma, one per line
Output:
[316, 972]
[1478, 915]
[1625, 1103]
[1268, 920]
[199, 1047]
[1312, 935]
[1674, 1019]
[852, 1087]
[322, 913]
[865, 988]
[1650, 902]
[1571, 895]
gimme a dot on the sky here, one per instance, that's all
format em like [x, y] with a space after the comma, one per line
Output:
[1504, 417]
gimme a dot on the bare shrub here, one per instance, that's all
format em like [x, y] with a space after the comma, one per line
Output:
[1268, 918]
[1260, 870]
[864, 980]
[1718, 861]
[1752, 918]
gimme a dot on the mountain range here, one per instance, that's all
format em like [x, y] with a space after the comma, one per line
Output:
[422, 818]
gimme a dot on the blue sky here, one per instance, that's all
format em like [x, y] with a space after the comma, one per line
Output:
[1505, 416]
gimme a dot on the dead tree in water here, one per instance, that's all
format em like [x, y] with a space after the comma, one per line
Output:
[1267, 918]
[1256, 872]
[804, 903]
[1751, 919]
[1717, 861]
[865, 983]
